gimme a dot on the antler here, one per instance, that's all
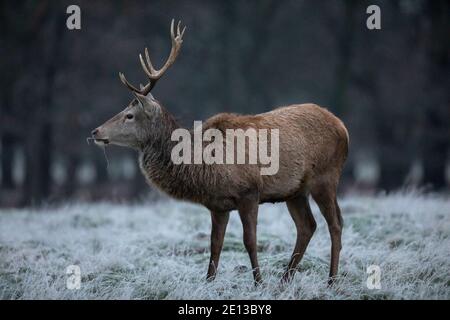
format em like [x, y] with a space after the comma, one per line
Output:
[153, 74]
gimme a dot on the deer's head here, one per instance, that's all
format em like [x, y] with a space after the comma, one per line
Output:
[135, 125]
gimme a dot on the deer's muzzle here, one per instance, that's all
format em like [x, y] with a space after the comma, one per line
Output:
[98, 140]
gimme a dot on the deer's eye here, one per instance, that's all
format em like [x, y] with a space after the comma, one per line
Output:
[129, 116]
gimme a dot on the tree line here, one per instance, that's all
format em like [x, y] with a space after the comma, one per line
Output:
[390, 86]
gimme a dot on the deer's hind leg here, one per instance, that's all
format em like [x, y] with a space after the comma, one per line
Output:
[306, 225]
[325, 196]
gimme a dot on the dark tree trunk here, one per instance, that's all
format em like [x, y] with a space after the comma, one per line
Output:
[71, 179]
[435, 157]
[256, 77]
[394, 164]
[226, 66]
[7, 141]
[393, 173]
[45, 161]
[38, 161]
[345, 38]
[40, 146]
[437, 117]
[101, 169]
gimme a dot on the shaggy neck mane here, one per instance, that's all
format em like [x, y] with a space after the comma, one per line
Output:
[184, 181]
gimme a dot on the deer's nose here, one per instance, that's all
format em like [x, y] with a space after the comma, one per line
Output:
[94, 132]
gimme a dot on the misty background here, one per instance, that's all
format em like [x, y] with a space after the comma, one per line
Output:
[389, 86]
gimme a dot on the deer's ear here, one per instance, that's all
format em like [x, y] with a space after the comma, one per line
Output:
[148, 99]
[149, 95]
[143, 100]
[148, 103]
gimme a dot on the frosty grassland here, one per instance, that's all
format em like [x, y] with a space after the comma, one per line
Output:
[161, 251]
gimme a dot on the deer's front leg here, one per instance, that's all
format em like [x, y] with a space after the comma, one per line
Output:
[219, 221]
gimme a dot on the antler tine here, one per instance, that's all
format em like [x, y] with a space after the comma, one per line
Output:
[149, 62]
[144, 66]
[179, 34]
[172, 31]
[127, 84]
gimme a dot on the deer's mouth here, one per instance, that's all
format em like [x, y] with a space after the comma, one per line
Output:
[98, 141]
[101, 142]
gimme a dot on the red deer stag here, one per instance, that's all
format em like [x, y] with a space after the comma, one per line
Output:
[313, 146]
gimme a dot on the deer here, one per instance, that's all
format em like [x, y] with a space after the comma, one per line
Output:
[313, 147]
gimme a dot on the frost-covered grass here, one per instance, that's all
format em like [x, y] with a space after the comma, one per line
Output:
[161, 251]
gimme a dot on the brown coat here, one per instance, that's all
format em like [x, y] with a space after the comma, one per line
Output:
[313, 147]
